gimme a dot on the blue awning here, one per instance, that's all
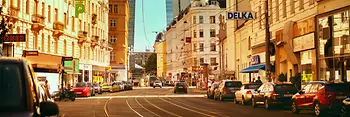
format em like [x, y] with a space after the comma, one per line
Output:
[253, 68]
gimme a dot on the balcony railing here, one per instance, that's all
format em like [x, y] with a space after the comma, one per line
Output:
[37, 18]
[82, 34]
[95, 38]
[13, 11]
[58, 26]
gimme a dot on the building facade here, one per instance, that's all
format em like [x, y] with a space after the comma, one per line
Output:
[131, 36]
[174, 7]
[160, 50]
[57, 29]
[141, 58]
[118, 38]
[192, 40]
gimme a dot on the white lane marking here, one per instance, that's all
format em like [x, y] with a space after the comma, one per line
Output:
[147, 96]
[63, 115]
[146, 108]
[186, 108]
[132, 108]
[105, 107]
[161, 108]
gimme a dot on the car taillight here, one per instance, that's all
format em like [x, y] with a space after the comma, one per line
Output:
[249, 92]
[273, 94]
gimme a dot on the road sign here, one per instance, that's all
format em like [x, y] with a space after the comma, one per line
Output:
[15, 38]
[31, 53]
[67, 58]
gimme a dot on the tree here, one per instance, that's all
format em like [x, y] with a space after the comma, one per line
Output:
[151, 64]
[3, 30]
[296, 80]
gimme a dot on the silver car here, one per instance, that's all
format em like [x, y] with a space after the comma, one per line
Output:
[245, 94]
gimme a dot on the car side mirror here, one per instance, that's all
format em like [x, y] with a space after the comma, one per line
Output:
[48, 109]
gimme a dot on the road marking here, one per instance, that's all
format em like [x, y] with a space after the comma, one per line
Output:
[132, 108]
[198, 108]
[149, 96]
[186, 108]
[146, 108]
[161, 108]
[105, 107]
[63, 115]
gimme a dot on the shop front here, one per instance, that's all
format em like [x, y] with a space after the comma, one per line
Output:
[98, 73]
[255, 70]
[333, 45]
[71, 72]
[86, 73]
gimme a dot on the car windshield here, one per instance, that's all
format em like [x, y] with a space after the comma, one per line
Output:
[12, 87]
[338, 87]
[107, 84]
[282, 88]
[252, 86]
[233, 84]
[80, 84]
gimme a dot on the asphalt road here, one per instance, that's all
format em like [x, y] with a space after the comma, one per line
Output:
[161, 102]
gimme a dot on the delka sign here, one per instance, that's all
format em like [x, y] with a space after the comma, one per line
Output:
[249, 15]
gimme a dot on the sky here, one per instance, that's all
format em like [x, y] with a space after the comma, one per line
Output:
[154, 19]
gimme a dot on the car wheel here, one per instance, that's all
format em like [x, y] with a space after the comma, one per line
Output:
[253, 103]
[243, 101]
[235, 100]
[317, 109]
[221, 98]
[295, 108]
[266, 104]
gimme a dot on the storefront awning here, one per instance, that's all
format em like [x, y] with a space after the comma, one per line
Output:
[254, 68]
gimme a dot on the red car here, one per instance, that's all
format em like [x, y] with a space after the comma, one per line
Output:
[82, 89]
[321, 97]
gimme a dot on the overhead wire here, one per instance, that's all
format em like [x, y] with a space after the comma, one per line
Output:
[143, 23]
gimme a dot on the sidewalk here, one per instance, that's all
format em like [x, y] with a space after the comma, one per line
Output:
[198, 90]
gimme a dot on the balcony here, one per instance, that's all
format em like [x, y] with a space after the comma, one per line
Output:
[82, 37]
[94, 44]
[94, 19]
[13, 14]
[38, 22]
[95, 38]
[58, 29]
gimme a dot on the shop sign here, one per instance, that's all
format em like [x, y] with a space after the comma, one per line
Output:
[41, 78]
[79, 7]
[72, 65]
[255, 60]
[31, 53]
[304, 27]
[85, 67]
[15, 38]
[304, 42]
[67, 58]
[239, 15]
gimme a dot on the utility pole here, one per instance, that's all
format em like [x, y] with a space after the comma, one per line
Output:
[267, 42]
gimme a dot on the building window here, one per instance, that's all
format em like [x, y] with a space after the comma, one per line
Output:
[201, 60]
[201, 19]
[27, 39]
[73, 49]
[195, 61]
[115, 8]
[65, 19]
[249, 43]
[113, 39]
[201, 47]
[195, 47]
[27, 6]
[201, 33]
[43, 42]
[36, 6]
[292, 6]
[212, 33]
[301, 4]
[35, 42]
[80, 25]
[194, 33]
[43, 9]
[212, 47]
[112, 56]
[112, 23]
[49, 13]
[48, 43]
[194, 19]
[73, 23]
[284, 8]
[311, 2]
[277, 10]
[56, 15]
[65, 47]
[56, 46]
[260, 17]
[270, 12]
[212, 19]
[213, 60]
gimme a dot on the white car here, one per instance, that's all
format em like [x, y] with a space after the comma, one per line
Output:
[157, 84]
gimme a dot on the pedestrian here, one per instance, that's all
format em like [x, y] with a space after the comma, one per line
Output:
[258, 81]
[47, 88]
[252, 80]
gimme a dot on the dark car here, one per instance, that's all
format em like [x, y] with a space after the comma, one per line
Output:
[210, 92]
[345, 110]
[227, 89]
[321, 97]
[22, 96]
[128, 86]
[271, 94]
[98, 88]
[180, 87]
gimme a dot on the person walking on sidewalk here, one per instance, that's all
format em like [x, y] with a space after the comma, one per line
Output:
[258, 81]
[47, 88]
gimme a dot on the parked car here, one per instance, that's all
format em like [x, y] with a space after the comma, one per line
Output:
[21, 93]
[120, 83]
[169, 83]
[271, 94]
[180, 87]
[115, 87]
[92, 88]
[128, 86]
[210, 92]
[82, 89]
[345, 110]
[157, 83]
[321, 97]
[227, 89]
[106, 87]
[245, 94]
[98, 88]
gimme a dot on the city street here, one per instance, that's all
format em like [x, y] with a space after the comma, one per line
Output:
[149, 102]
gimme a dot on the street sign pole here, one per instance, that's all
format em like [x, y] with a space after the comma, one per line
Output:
[267, 42]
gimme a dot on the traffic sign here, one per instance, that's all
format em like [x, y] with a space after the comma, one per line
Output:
[67, 58]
